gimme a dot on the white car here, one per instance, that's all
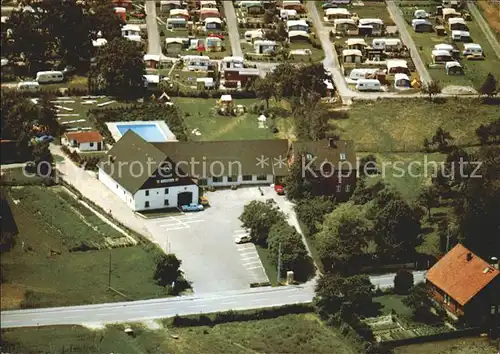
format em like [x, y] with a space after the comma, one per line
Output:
[242, 239]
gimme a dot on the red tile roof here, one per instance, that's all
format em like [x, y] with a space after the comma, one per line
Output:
[85, 137]
[459, 278]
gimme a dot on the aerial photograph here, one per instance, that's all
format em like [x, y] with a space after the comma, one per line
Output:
[212, 177]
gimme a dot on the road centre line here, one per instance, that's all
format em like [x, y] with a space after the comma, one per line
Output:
[254, 267]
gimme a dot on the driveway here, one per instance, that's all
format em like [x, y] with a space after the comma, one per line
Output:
[204, 241]
[232, 28]
[154, 45]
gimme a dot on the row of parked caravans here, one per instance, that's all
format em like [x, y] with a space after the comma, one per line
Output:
[401, 81]
[42, 77]
[385, 44]
[363, 26]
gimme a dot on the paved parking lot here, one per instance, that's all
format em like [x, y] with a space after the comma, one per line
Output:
[204, 241]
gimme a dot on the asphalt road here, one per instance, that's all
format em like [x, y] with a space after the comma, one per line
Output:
[490, 36]
[397, 16]
[154, 45]
[232, 28]
[161, 308]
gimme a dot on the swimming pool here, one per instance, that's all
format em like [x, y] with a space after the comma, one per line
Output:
[149, 132]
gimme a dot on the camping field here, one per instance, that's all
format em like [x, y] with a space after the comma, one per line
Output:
[402, 125]
[61, 255]
[286, 334]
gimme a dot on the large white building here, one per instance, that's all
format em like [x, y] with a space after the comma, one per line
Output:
[149, 176]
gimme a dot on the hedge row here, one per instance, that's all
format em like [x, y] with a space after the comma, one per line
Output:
[239, 316]
[88, 162]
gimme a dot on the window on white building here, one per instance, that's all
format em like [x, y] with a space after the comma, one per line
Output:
[202, 182]
[339, 188]
[262, 178]
[232, 178]
[247, 178]
[216, 179]
[348, 188]
[447, 299]
[166, 190]
[165, 202]
[146, 204]
[147, 193]
[342, 156]
[91, 144]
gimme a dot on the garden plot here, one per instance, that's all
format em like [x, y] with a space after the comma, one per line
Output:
[475, 71]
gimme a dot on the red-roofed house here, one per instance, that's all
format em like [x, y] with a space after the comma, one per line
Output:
[466, 285]
[84, 141]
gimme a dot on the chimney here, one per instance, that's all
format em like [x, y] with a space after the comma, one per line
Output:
[469, 257]
[495, 263]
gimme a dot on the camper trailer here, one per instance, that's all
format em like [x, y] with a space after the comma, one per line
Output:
[254, 35]
[453, 68]
[421, 25]
[352, 56]
[441, 56]
[461, 36]
[449, 13]
[362, 73]
[347, 26]
[387, 44]
[336, 14]
[28, 86]
[457, 24]
[46, 77]
[356, 43]
[472, 49]
[376, 24]
[421, 14]
[397, 66]
[176, 23]
[402, 81]
[444, 46]
[368, 85]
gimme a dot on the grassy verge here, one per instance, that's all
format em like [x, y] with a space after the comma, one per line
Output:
[269, 267]
[455, 346]
[41, 271]
[302, 333]
[402, 125]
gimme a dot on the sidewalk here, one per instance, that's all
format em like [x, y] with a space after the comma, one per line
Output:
[98, 193]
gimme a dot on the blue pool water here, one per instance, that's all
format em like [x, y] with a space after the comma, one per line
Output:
[149, 132]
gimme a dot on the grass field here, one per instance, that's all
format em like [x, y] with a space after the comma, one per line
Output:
[402, 125]
[491, 11]
[390, 303]
[453, 346]
[48, 226]
[269, 267]
[201, 114]
[287, 334]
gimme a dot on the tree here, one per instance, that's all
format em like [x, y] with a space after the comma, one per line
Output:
[419, 299]
[332, 291]
[269, 17]
[264, 89]
[281, 31]
[477, 205]
[311, 212]
[489, 133]
[429, 198]
[104, 20]
[259, 217]
[489, 86]
[432, 88]
[119, 68]
[403, 281]
[342, 239]
[167, 269]
[294, 256]
[364, 194]
[441, 139]
[368, 165]
[397, 229]
[42, 159]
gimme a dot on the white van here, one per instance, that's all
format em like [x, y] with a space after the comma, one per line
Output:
[368, 85]
[45, 77]
[28, 86]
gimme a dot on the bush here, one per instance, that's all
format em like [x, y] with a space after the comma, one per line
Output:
[31, 300]
[403, 281]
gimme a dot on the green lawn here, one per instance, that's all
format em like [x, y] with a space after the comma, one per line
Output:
[302, 333]
[269, 267]
[393, 303]
[201, 114]
[402, 125]
[48, 226]
[373, 9]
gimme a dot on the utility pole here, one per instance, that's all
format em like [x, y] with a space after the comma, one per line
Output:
[448, 239]
[109, 271]
[279, 264]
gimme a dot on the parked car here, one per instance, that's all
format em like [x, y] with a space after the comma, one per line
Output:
[45, 138]
[192, 207]
[279, 189]
[242, 239]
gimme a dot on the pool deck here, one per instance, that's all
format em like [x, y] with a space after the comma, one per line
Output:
[161, 125]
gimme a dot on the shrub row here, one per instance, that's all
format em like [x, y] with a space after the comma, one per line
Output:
[240, 316]
[88, 162]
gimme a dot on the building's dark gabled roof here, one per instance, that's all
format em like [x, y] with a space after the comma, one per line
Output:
[127, 161]
[235, 153]
[322, 151]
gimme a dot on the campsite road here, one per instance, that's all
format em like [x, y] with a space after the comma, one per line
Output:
[232, 28]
